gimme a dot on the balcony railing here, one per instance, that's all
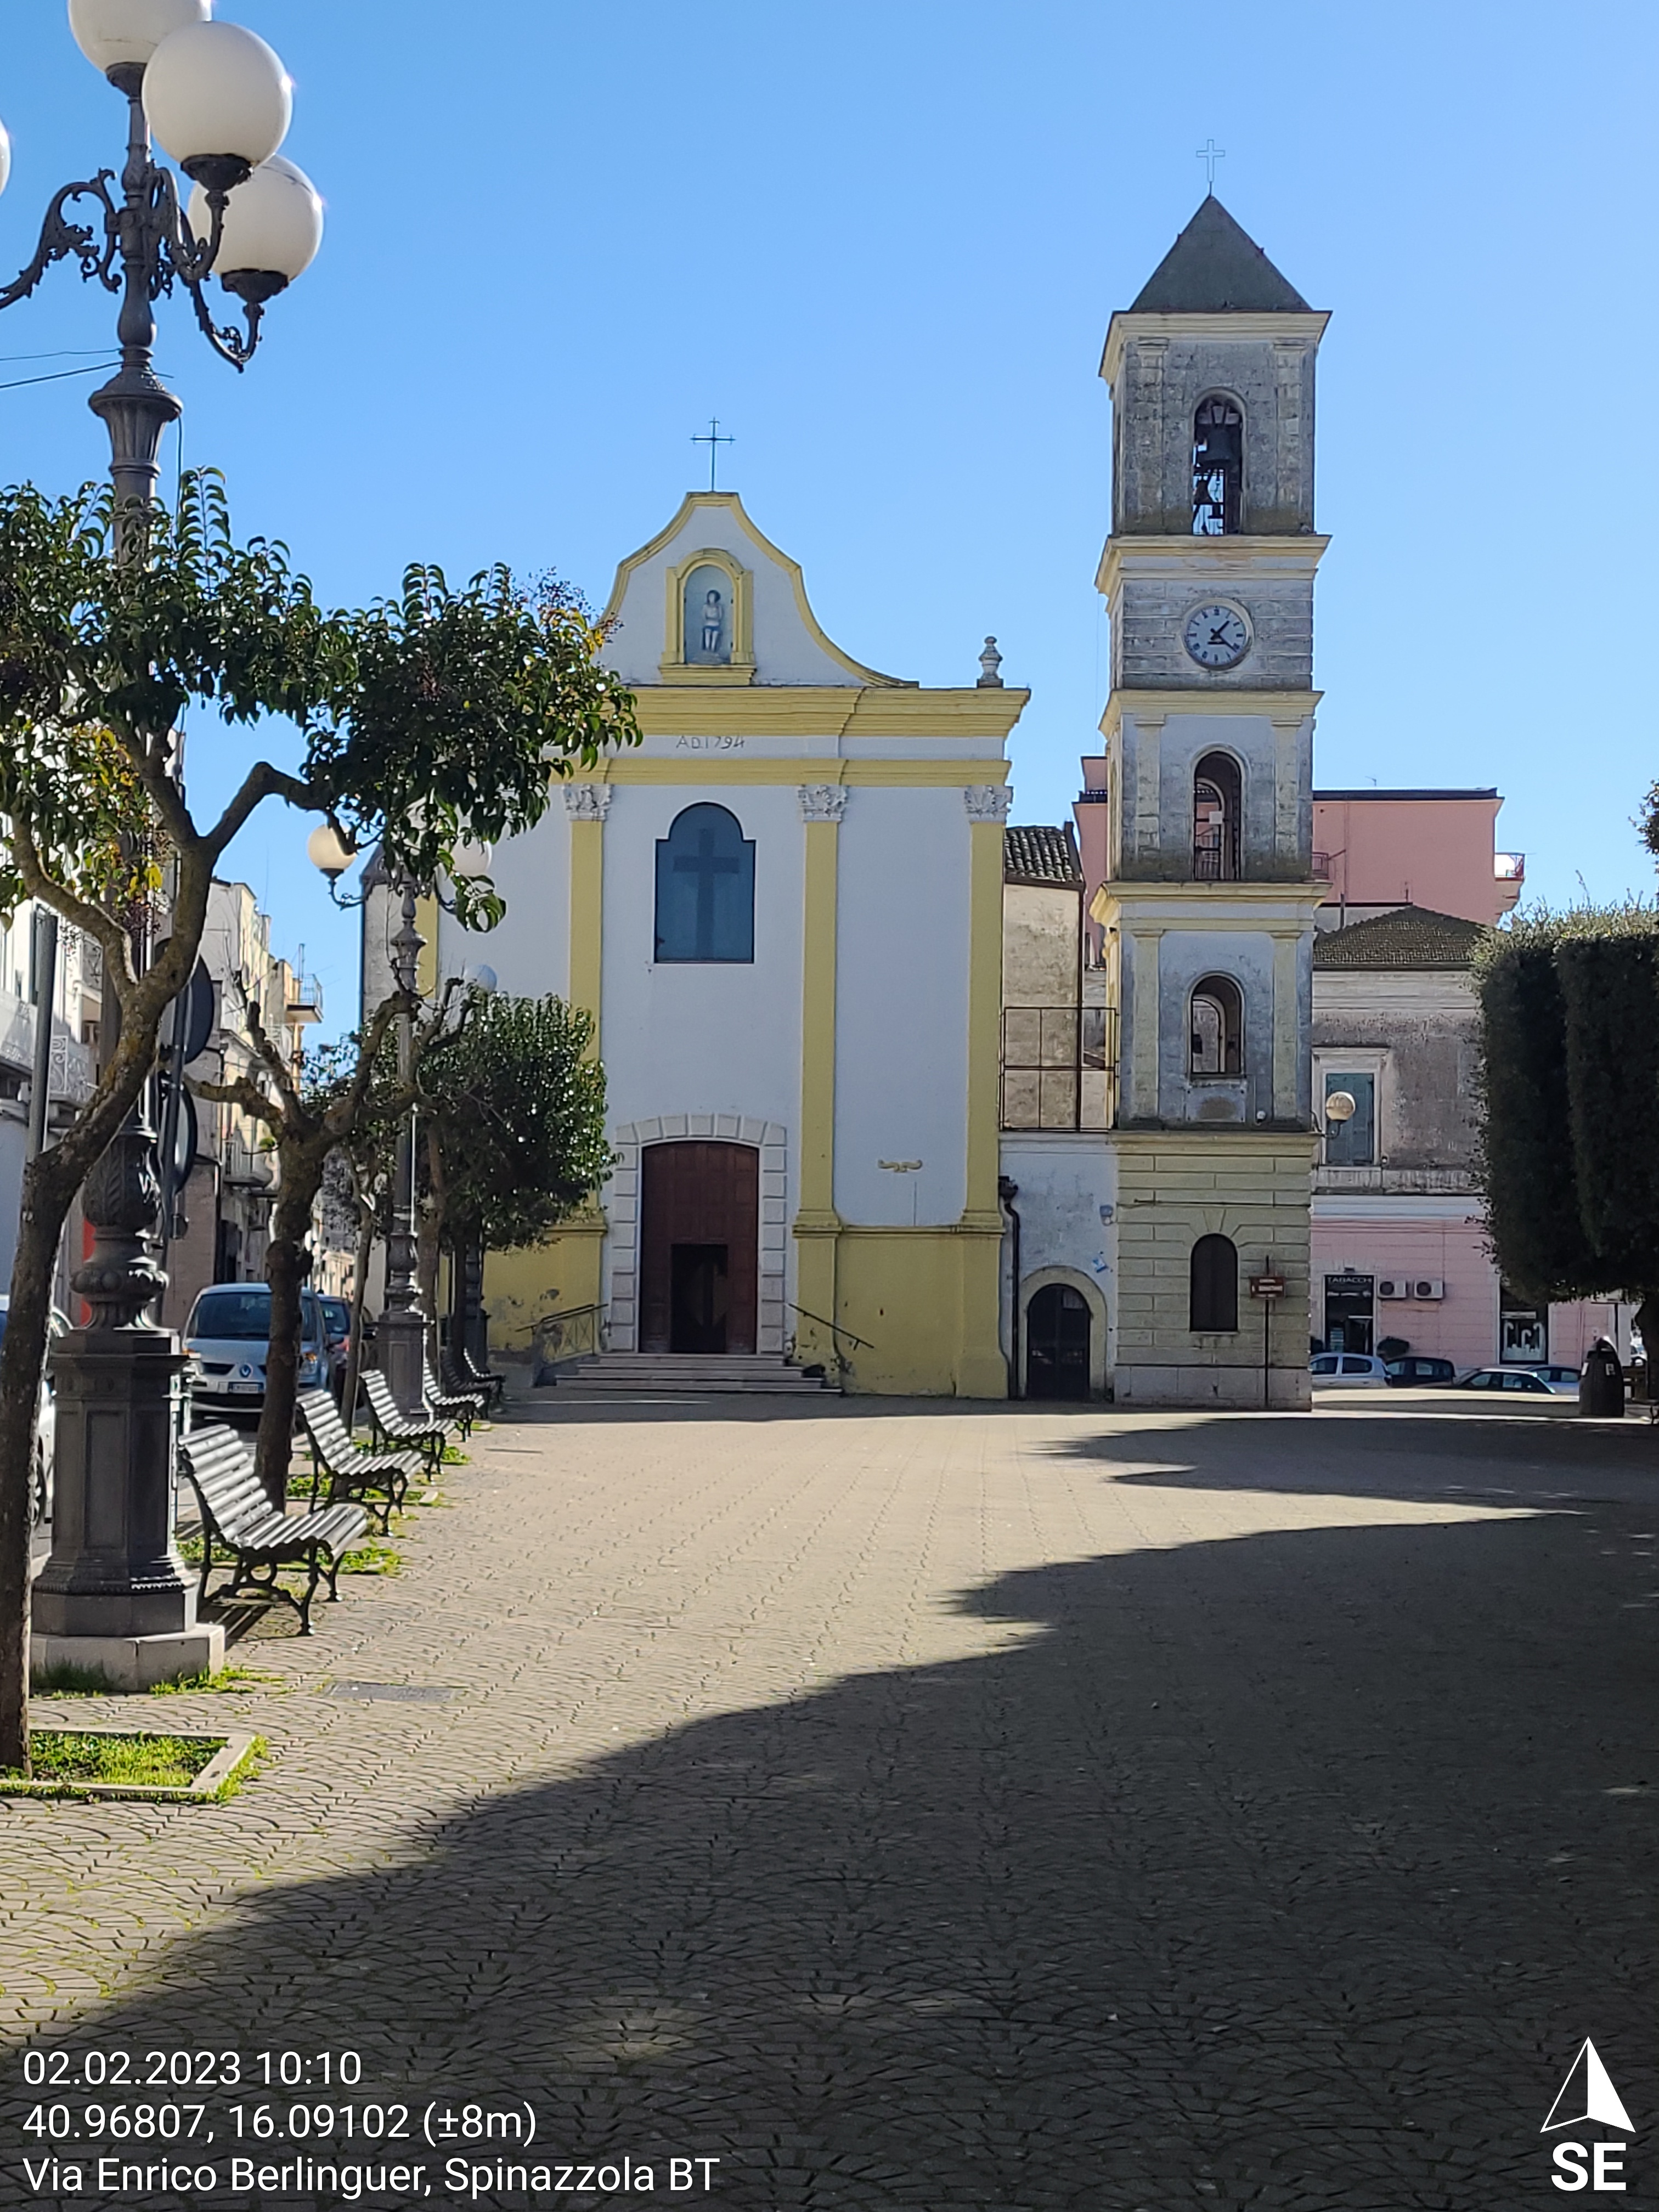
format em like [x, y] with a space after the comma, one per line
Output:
[1059, 1067]
[1509, 867]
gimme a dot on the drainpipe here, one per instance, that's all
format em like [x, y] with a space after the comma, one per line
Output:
[1008, 1191]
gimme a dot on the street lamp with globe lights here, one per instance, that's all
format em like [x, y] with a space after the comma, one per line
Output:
[400, 1335]
[217, 98]
[114, 1593]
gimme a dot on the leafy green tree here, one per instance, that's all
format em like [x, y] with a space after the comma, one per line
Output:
[512, 1105]
[1569, 1050]
[441, 714]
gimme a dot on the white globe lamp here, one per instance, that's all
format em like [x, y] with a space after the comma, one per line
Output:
[5, 157]
[1341, 1106]
[218, 101]
[273, 227]
[483, 978]
[471, 857]
[327, 850]
[117, 33]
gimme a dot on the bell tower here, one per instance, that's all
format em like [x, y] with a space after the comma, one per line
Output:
[1208, 905]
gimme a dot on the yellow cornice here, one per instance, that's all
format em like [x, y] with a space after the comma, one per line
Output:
[825, 710]
[689, 506]
[1148, 705]
[1307, 323]
[737, 769]
[1257, 552]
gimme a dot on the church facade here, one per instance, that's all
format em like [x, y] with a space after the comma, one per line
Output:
[783, 913]
[786, 913]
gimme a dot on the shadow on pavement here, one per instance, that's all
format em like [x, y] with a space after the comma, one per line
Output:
[1289, 1871]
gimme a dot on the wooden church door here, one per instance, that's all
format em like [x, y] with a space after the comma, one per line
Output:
[699, 1246]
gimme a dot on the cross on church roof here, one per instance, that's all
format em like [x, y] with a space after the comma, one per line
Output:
[714, 439]
[1209, 153]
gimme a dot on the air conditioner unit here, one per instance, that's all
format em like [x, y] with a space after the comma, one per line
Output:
[1428, 1286]
[1392, 1286]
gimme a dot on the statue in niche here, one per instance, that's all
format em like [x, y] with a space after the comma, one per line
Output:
[708, 612]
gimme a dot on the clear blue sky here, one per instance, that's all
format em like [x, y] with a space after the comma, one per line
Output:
[882, 242]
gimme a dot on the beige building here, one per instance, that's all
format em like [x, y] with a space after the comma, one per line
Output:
[227, 1202]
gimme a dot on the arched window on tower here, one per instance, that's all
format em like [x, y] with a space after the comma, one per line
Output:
[706, 888]
[1216, 1025]
[1218, 805]
[1212, 1294]
[1218, 467]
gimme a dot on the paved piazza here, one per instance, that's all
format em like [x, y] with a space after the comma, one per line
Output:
[912, 1805]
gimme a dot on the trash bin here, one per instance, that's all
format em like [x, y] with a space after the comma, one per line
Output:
[1601, 1384]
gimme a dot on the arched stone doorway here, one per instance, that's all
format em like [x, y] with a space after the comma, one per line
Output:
[1062, 1336]
[699, 1246]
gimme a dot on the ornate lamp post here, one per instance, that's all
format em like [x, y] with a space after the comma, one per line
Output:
[113, 1596]
[400, 1333]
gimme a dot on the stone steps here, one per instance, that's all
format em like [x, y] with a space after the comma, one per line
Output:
[635, 1374]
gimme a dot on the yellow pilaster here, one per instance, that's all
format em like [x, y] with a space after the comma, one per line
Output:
[587, 918]
[982, 1371]
[427, 918]
[817, 1224]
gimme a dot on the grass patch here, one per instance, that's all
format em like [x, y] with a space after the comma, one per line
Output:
[372, 1558]
[227, 1680]
[92, 1763]
[154, 1762]
[454, 1456]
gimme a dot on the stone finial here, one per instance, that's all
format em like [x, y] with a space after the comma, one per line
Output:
[987, 802]
[990, 662]
[823, 802]
[587, 802]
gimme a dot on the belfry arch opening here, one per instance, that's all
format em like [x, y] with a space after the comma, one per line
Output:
[1218, 466]
[1218, 805]
[1216, 1022]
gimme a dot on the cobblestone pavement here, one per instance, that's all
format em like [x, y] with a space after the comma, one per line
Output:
[919, 1805]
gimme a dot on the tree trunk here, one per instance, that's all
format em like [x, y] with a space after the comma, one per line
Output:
[288, 1263]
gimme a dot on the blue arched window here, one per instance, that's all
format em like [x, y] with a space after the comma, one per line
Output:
[706, 888]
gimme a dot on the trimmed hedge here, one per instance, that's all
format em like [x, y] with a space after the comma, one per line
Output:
[1569, 1045]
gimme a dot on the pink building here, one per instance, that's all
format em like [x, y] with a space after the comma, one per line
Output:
[1426, 849]
[1399, 1240]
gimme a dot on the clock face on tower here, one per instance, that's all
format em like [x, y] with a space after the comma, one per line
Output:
[1217, 636]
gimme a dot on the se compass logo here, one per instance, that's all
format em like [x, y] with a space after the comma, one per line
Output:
[1588, 2098]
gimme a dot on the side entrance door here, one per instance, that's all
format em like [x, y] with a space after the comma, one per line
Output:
[1057, 1331]
[699, 1246]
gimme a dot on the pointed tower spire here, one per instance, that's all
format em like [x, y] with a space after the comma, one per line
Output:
[1215, 267]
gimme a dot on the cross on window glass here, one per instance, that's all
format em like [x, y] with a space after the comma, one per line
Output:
[705, 889]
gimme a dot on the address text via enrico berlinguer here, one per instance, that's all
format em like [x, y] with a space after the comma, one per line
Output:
[116, 2124]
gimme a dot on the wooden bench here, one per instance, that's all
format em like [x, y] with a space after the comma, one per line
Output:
[425, 1433]
[352, 1468]
[237, 1514]
[462, 1372]
[465, 1405]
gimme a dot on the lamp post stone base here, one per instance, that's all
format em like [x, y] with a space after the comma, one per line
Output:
[130, 1662]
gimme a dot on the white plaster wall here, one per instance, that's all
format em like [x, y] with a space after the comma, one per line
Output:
[530, 948]
[902, 1005]
[684, 1037]
[1065, 1180]
[785, 651]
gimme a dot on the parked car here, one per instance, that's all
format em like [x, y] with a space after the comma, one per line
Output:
[45, 1426]
[1522, 1379]
[1416, 1369]
[1558, 1377]
[229, 1338]
[1350, 1370]
[336, 1316]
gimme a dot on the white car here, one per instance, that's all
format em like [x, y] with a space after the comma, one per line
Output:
[45, 1426]
[1347, 1370]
